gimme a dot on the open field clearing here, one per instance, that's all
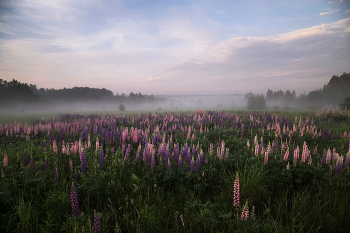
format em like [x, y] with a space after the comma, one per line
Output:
[226, 171]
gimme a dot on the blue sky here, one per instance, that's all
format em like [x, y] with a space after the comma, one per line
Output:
[175, 47]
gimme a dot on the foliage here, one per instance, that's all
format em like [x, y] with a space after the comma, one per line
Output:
[142, 188]
[256, 102]
[121, 107]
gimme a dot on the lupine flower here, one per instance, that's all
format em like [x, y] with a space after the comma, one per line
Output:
[32, 166]
[339, 166]
[236, 191]
[226, 153]
[245, 212]
[144, 155]
[74, 201]
[6, 160]
[57, 177]
[101, 160]
[25, 158]
[83, 162]
[192, 165]
[252, 215]
[46, 163]
[288, 167]
[2, 173]
[97, 223]
[179, 164]
[70, 165]
[266, 158]
[169, 166]
[75, 175]
[112, 149]
[153, 163]
[248, 145]
[41, 167]
[286, 155]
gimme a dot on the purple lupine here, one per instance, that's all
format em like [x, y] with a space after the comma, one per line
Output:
[32, 165]
[144, 156]
[74, 201]
[153, 162]
[57, 177]
[75, 175]
[97, 223]
[236, 191]
[192, 165]
[179, 163]
[346, 162]
[169, 166]
[339, 166]
[101, 160]
[198, 164]
[25, 158]
[46, 163]
[188, 160]
[83, 162]
[41, 167]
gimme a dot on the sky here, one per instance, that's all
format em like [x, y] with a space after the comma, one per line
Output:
[175, 47]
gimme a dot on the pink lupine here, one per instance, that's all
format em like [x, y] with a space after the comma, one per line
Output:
[236, 191]
[286, 155]
[256, 149]
[70, 165]
[6, 160]
[266, 158]
[245, 212]
[248, 145]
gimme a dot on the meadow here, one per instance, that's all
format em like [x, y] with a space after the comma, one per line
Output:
[213, 171]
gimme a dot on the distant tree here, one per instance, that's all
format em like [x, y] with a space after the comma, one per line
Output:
[121, 107]
[248, 95]
[345, 104]
[256, 102]
[269, 95]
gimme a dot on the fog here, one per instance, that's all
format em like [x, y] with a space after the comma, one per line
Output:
[163, 103]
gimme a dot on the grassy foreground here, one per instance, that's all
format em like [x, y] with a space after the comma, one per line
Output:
[184, 172]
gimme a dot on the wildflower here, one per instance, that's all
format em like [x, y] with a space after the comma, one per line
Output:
[6, 160]
[75, 175]
[70, 165]
[25, 158]
[288, 167]
[32, 166]
[97, 223]
[57, 177]
[236, 191]
[46, 163]
[192, 165]
[153, 163]
[248, 145]
[101, 160]
[245, 212]
[83, 162]
[226, 153]
[169, 166]
[339, 166]
[2, 173]
[41, 167]
[179, 164]
[285, 158]
[266, 158]
[74, 201]
[252, 215]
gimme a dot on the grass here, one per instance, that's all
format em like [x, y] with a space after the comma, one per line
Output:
[131, 197]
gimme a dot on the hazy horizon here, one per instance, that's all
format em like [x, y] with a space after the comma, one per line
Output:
[175, 47]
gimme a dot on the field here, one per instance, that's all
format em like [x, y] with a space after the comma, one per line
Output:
[176, 172]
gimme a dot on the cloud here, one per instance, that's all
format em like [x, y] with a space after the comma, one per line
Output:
[347, 11]
[330, 12]
[294, 60]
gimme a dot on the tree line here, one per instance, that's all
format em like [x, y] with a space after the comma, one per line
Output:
[15, 93]
[336, 92]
